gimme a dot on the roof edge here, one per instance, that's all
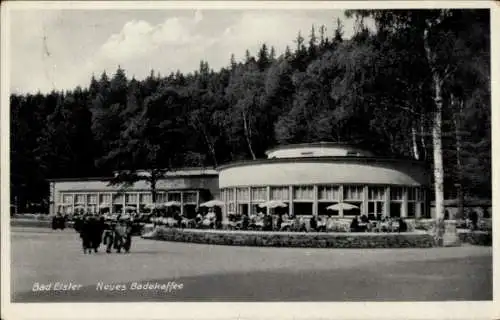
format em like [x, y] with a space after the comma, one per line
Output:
[314, 145]
[320, 159]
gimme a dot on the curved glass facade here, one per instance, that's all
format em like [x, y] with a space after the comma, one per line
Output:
[309, 178]
[308, 200]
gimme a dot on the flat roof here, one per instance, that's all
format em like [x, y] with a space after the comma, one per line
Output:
[182, 172]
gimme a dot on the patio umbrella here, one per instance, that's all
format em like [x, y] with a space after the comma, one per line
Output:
[212, 203]
[172, 204]
[130, 208]
[343, 206]
[154, 205]
[273, 204]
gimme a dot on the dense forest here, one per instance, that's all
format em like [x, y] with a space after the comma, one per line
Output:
[418, 87]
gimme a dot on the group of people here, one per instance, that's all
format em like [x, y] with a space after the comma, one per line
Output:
[211, 219]
[284, 222]
[113, 232]
[384, 224]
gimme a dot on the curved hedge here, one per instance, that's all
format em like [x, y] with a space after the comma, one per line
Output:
[295, 239]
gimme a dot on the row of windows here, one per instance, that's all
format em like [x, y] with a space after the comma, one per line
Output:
[129, 198]
[189, 209]
[325, 193]
[395, 209]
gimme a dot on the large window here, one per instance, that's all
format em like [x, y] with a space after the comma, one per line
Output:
[118, 198]
[353, 195]
[259, 194]
[303, 197]
[105, 199]
[279, 193]
[228, 198]
[131, 198]
[161, 197]
[242, 195]
[80, 198]
[328, 196]
[376, 199]
[92, 198]
[302, 208]
[303, 193]
[65, 209]
[243, 209]
[67, 198]
[416, 204]
[328, 193]
[396, 205]
[229, 195]
[190, 197]
[174, 196]
[145, 198]
[323, 211]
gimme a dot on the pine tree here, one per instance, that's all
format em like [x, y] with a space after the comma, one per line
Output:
[312, 43]
[263, 57]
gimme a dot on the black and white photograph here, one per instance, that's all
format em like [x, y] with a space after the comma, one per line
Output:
[246, 154]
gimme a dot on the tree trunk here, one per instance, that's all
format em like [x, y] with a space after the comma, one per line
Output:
[436, 132]
[152, 182]
[210, 144]
[414, 143]
[247, 135]
[458, 136]
[438, 150]
[422, 137]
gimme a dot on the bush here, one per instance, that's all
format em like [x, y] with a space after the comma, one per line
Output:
[479, 238]
[425, 224]
[484, 225]
[279, 239]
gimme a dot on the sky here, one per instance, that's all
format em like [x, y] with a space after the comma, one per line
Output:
[61, 49]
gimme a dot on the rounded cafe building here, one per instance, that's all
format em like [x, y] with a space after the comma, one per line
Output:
[308, 178]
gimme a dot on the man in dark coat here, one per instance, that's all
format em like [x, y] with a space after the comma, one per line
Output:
[313, 224]
[123, 235]
[96, 232]
[86, 234]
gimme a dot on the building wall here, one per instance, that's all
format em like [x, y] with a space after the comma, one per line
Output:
[309, 186]
[93, 191]
[323, 172]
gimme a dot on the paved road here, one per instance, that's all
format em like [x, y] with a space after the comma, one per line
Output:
[225, 273]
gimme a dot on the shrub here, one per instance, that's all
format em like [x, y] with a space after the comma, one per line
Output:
[275, 239]
[480, 238]
[425, 224]
[484, 225]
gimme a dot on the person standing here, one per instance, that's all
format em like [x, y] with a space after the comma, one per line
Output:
[313, 224]
[473, 219]
[86, 235]
[108, 234]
